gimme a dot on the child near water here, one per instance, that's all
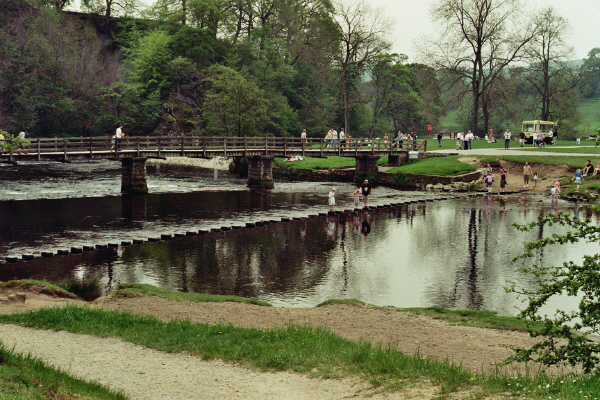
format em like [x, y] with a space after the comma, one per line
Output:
[356, 196]
[489, 179]
[535, 179]
[577, 178]
[331, 199]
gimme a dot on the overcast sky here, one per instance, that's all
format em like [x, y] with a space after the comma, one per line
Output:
[412, 21]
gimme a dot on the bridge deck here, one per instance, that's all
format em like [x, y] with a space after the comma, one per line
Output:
[65, 149]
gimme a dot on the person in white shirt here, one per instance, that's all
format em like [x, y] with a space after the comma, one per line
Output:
[303, 136]
[118, 135]
[334, 138]
[507, 138]
[469, 140]
[342, 138]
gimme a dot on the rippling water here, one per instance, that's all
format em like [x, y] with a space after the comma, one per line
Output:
[451, 253]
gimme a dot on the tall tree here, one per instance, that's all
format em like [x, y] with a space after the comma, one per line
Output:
[234, 105]
[361, 33]
[590, 84]
[547, 52]
[477, 41]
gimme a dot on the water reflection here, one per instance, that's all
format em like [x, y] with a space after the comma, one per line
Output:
[454, 254]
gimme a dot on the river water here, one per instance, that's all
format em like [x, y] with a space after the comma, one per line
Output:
[453, 253]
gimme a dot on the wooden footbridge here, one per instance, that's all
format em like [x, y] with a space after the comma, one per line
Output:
[260, 151]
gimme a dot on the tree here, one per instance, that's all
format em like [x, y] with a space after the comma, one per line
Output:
[361, 36]
[109, 8]
[561, 337]
[147, 61]
[52, 69]
[590, 84]
[547, 70]
[478, 40]
[234, 105]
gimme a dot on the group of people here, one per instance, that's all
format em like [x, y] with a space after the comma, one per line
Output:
[364, 190]
[464, 141]
[332, 137]
[489, 178]
[538, 139]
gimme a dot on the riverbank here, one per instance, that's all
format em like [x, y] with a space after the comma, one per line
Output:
[143, 373]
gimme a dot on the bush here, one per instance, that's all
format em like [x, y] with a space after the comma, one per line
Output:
[86, 290]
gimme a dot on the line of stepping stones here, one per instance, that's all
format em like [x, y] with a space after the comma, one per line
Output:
[165, 237]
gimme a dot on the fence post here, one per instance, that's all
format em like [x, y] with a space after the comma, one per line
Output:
[65, 150]
[38, 150]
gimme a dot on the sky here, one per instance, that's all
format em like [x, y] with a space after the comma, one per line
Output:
[412, 21]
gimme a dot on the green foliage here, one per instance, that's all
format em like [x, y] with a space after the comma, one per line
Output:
[87, 289]
[561, 340]
[234, 105]
[590, 82]
[53, 68]
[12, 143]
[148, 58]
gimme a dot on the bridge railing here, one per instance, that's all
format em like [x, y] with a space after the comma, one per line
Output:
[103, 145]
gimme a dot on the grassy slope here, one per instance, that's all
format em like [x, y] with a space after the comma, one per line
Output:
[298, 348]
[302, 349]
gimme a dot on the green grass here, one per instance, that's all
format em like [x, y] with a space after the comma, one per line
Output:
[23, 377]
[590, 117]
[139, 289]
[473, 318]
[303, 349]
[445, 166]
[317, 162]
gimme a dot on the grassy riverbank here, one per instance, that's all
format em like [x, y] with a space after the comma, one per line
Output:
[300, 348]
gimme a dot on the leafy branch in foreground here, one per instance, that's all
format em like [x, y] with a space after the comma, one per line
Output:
[562, 340]
[11, 143]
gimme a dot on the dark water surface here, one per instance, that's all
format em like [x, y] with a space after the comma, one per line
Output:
[451, 253]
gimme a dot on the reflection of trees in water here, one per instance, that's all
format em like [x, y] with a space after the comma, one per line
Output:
[271, 258]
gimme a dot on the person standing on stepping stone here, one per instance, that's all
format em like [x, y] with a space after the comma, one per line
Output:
[365, 188]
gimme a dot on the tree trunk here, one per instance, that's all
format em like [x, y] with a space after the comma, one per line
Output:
[346, 85]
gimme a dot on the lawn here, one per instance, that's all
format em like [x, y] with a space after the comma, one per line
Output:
[445, 166]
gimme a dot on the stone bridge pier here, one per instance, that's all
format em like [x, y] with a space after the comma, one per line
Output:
[365, 165]
[133, 180]
[260, 172]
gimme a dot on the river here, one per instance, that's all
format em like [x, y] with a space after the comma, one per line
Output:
[454, 253]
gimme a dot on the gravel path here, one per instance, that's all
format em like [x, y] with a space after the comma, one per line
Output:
[143, 373]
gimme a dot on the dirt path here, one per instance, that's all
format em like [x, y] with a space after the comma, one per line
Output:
[143, 373]
[548, 174]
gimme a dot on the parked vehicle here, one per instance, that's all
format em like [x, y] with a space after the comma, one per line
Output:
[533, 128]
